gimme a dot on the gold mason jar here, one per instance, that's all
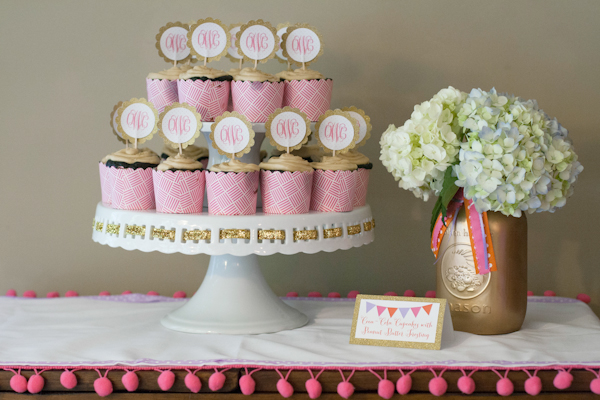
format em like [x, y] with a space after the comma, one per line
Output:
[489, 304]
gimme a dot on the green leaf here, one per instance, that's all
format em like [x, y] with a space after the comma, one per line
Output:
[437, 208]
[449, 188]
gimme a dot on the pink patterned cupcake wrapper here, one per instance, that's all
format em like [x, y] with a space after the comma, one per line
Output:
[132, 189]
[105, 183]
[161, 92]
[179, 192]
[362, 183]
[210, 98]
[312, 97]
[232, 193]
[256, 100]
[286, 192]
[333, 191]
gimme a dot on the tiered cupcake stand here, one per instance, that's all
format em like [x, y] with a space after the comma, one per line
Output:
[234, 297]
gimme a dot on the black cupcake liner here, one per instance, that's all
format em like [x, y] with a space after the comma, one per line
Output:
[136, 165]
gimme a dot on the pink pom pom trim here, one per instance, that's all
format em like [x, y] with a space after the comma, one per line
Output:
[283, 386]
[217, 380]
[430, 294]
[30, 294]
[247, 383]
[390, 294]
[35, 384]
[72, 293]
[584, 297]
[152, 293]
[52, 295]
[549, 293]
[437, 384]
[334, 295]
[103, 386]
[68, 379]
[595, 383]
[352, 294]
[127, 292]
[410, 293]
[192, 381]
[131, 381]
[180, 295]
[563, 379]
[11, 293]
[18, 382]
[315, 294]
[465, 383]
[104, 293]
[292, 294]
[504, 386]
[345, 388]
[313, 386]
[529, 293]
[404, 384]
[385, 387]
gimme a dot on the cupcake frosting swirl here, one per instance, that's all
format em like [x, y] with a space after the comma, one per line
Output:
[234, 166]
[300, 74]
[286, 162]
[132, 155]
[170, 74]
[355, 157]
[179, 162]
[334, 164]
[255, 75]
[200, 71]
[192, 151]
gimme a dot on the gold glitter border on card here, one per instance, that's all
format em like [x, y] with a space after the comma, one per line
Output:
[191, 33]
[113, 127]
[239, 116]
[161, 31]
[344, 114]
[394, 343]
[233, 59]
[196, 134]
[124, 107]
[287, 34]
[280, 111]
[367, 121]
[266, 25]
[277, 29]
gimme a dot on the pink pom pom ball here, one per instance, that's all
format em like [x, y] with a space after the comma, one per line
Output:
[30, 294]
[595, 386]
[180, 295]
[166, 379]
[584, 297]
[404, 384]
[345, 389]
[11, 293]
[533, 386]
[315, 294]
[285, 388]
[104, 293]
[313, 388]
[352, 294]
[131, 381]
[549, 293]
[334, 295]
[127, 292]
[68, 379]
[390, 294]
[505, 387]
[35, 384]
[410, 293]
[152, 293]
[72, 293]
[247, 385]
[385, 388]
[466, 384]
[18, 383]
[430, 294]
[103, 386]
[438, 386]
[52, 295]
[193, 383]
[292, 294]
[563, 380]
[529, 293]
[216, 381]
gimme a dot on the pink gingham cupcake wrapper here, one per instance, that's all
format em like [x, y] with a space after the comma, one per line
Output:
[362, 183]
[333, 191]
[105, 183]
[312, 97]
[178, 192]
[257, 100]
[161, 93]
[286, 192]
[132, 189]
[232, 193]
[210, 98]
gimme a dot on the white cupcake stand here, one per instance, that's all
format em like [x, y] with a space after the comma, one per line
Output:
[234, 297]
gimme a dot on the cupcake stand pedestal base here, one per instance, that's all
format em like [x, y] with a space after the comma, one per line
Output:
[234, 297]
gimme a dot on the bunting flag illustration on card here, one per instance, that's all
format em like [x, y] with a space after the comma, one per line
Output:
[403, 311]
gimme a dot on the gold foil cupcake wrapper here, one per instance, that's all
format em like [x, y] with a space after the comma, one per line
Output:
[196, 234]
[311, 234]
[354, 230]
[135, 230]
[113, 229]
[234, 234]
[332, 233]
[163, 234]
[271, 234]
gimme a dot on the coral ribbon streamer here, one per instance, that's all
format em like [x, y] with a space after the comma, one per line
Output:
[479, 233]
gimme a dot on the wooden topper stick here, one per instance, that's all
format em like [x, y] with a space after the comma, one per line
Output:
[180, 150]
[205, 61]
[241, 59]
[135, 145]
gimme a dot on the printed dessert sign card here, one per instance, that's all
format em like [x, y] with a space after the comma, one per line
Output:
[288, 129]
[137, 120]
[179, 125]
[232, 135]
[337, 131]
[409, 322]
[171, 42]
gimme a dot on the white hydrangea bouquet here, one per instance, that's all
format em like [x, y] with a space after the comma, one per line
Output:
[507, 154]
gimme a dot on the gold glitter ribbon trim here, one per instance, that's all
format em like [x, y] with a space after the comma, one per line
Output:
[135, 230]
[332, 233]
[373, 222]
[354, 229]
[271, 234]
[306, 235]
[112, 229]
[99, 226]
[234, 234]
[368, 226]
[196, 235]
[163, 234]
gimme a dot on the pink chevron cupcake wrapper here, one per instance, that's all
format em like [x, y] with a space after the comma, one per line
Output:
[161, 93]
[256, 100]
[362, 183]
[132, 189]
[210, 98]
[286, 192]
[332, 191]
[312, 97]
[105, 183]
[232, 193]
[178, 192]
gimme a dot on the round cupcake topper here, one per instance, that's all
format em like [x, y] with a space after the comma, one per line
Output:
[179, 125]
[337, 131]
[364, 124]
[232, 134]
[232, 51]
[137, 120]
[171, 42]
[288, 128]
[302, 44]
[113, 123]
[208, 39]
[281, 29]
[257, 41]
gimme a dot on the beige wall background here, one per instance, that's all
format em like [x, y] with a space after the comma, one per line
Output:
[66, 63]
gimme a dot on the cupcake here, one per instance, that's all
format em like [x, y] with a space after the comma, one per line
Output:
[191, 151]
[333, 185]
[256, 94]
[231, 188]
[179, 185]
[129, 174]
[206, 89]
[162, 87]
[361, 175]
[286, 184]
[233, 72]
[308, 91]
